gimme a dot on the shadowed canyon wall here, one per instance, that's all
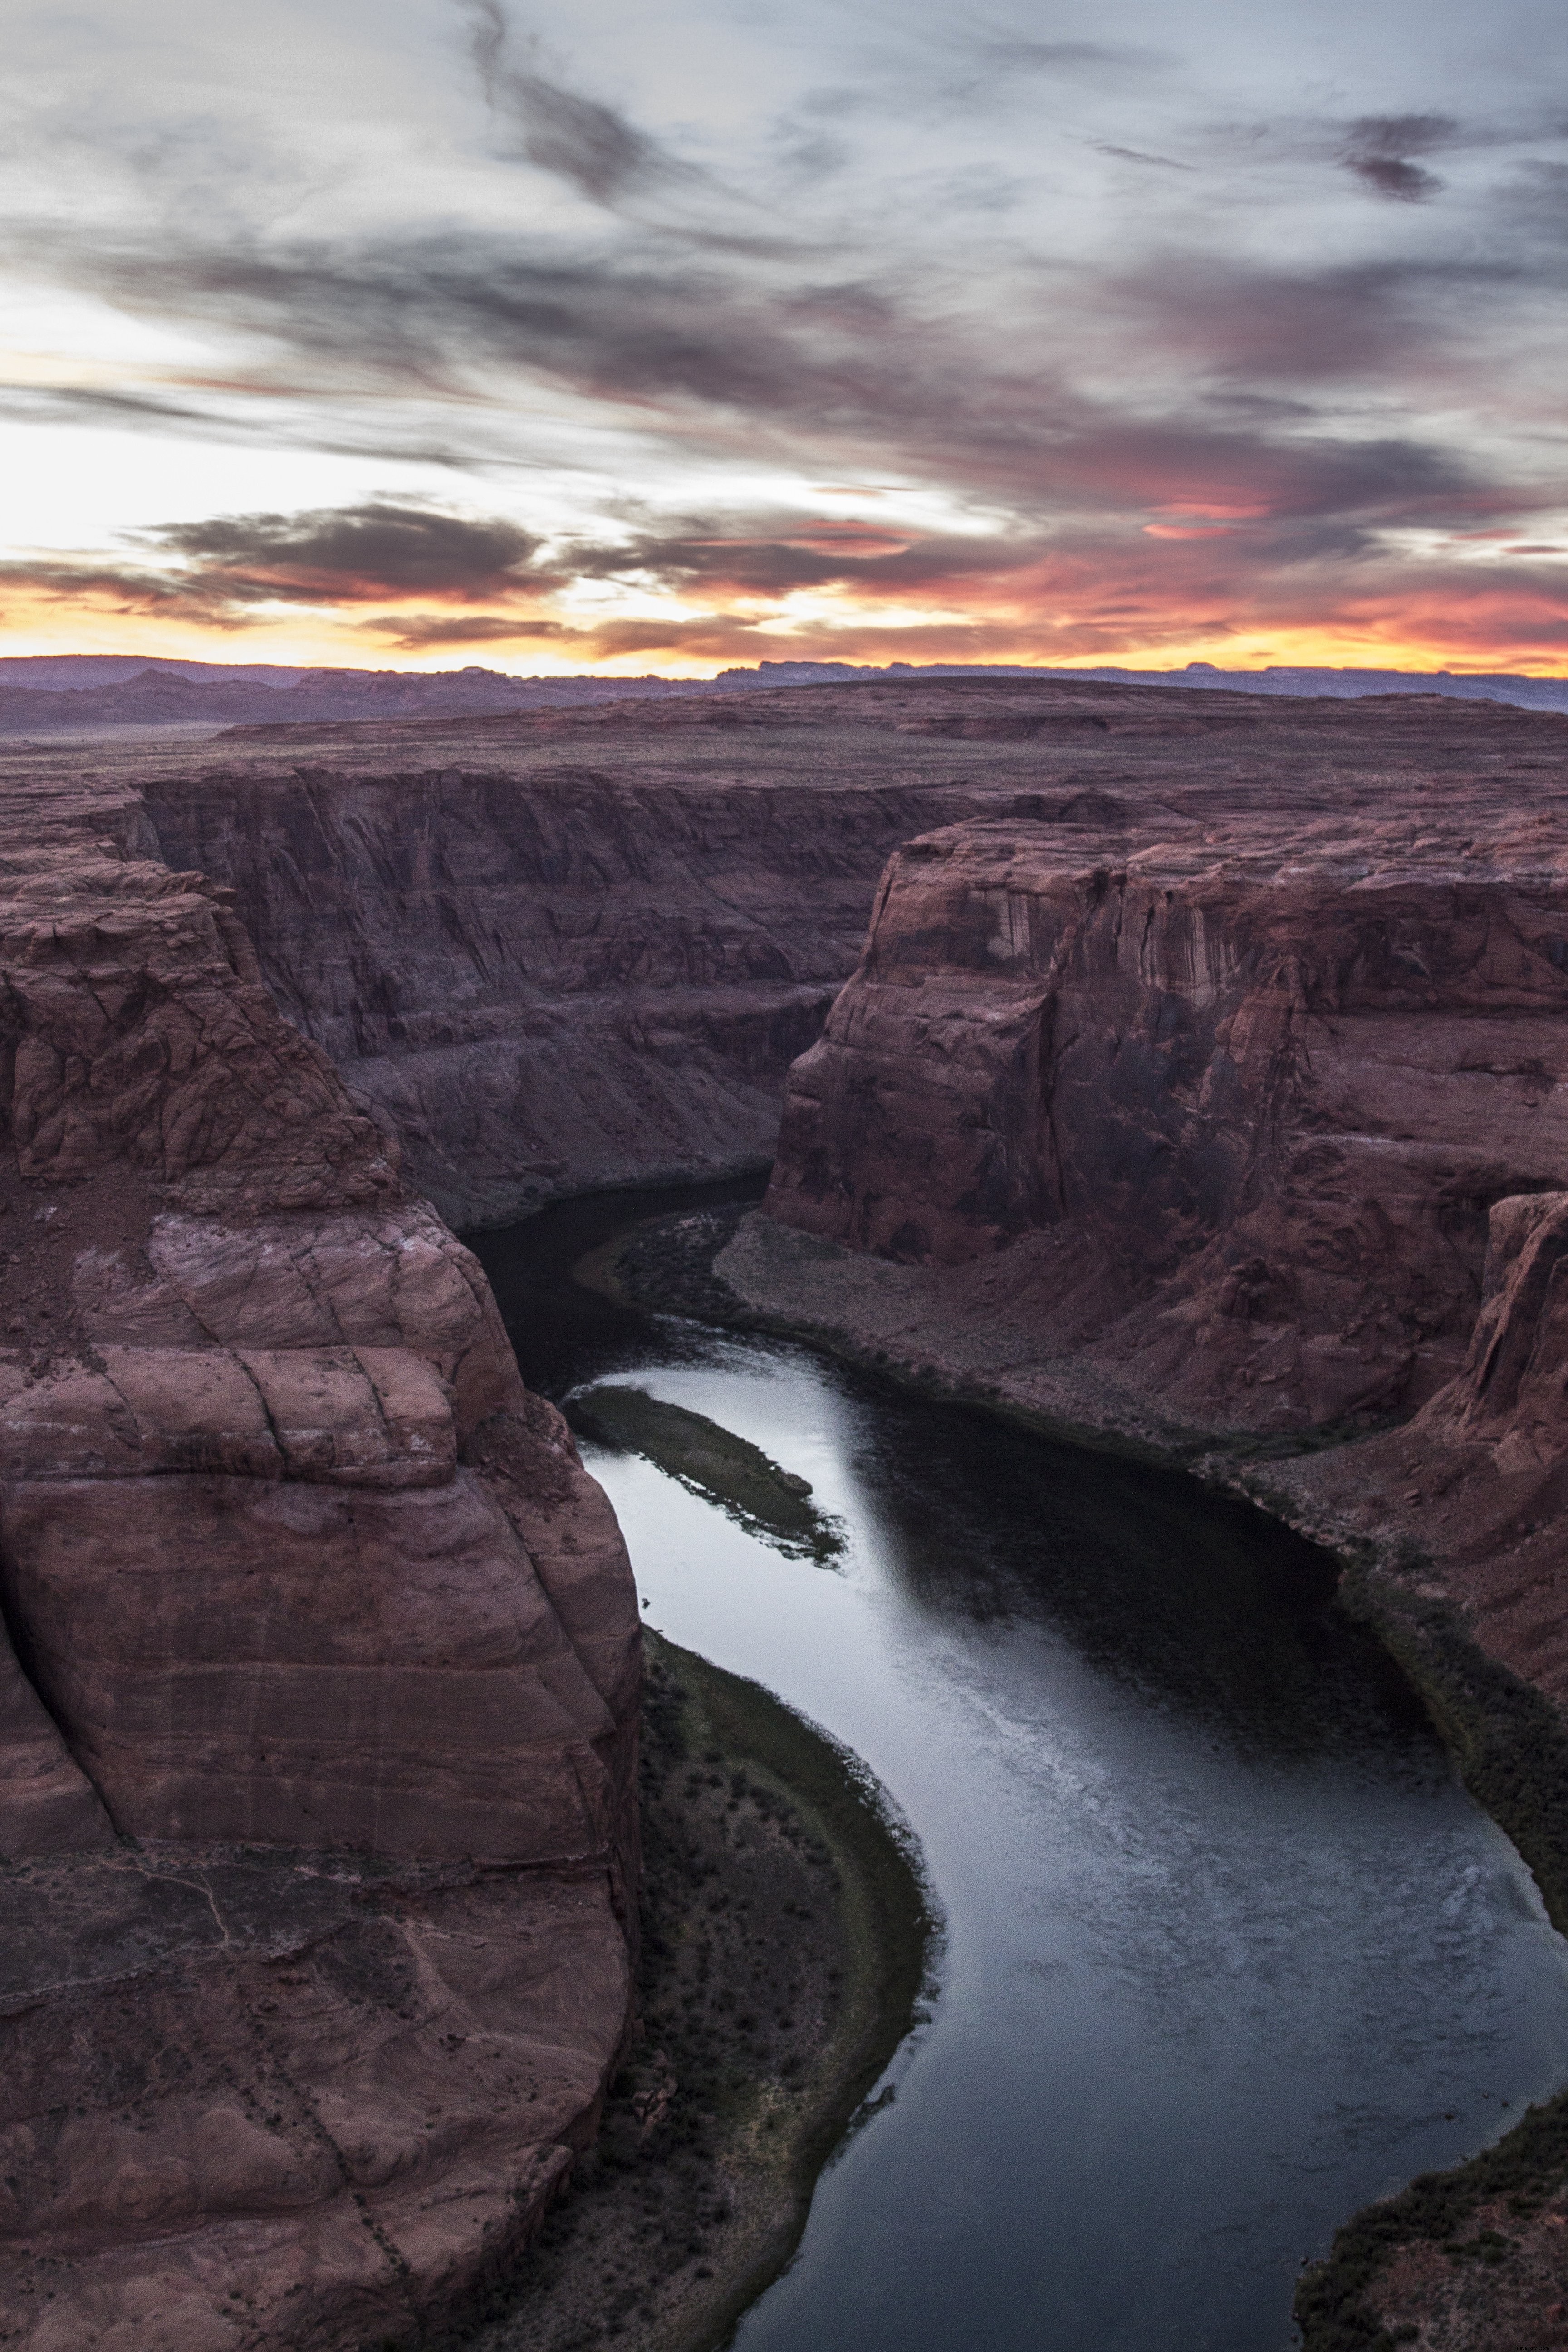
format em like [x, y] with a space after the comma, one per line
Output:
[551, 976]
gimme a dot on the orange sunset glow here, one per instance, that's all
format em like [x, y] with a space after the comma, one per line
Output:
[598, 346]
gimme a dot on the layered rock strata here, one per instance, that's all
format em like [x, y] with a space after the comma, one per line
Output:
[470, 916]
[1245, 1138]
[1116, 1123]
[318, 1715]
[468, 945]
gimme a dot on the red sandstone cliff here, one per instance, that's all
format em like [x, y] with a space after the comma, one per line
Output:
[1238, 1134]
[314, 1605]
[468, 915]
[468, 936]
[1270, 1092]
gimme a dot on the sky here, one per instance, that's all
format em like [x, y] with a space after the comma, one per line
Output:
[414, 333]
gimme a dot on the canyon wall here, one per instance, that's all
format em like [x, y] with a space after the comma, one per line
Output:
[1270, 1094]
[1228, 1132]
[1200, 1085]
[318, 1711]
[546, 977]
[564, 951]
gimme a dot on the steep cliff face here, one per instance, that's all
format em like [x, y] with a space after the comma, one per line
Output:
[1477, 1482]
[557, 977]
[570, 949]
[309, 1599]
[1259, 1099]
[1228, 1128]
[561, 950]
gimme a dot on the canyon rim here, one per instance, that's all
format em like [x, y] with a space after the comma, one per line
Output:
[1198, 1088]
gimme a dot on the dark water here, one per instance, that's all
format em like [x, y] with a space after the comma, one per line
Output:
[1229, 1951]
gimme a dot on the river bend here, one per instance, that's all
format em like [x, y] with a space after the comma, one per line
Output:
[1228, 1951]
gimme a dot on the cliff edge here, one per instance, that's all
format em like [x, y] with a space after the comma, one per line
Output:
[1228, 1142]
[317, 1707]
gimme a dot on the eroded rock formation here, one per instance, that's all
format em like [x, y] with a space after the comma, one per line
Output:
[469, 941]
[1276, 1093]
[314, 1604]
[471, 915]
[1215, 1122]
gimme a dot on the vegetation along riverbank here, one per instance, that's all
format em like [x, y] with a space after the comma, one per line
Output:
[786, 1942]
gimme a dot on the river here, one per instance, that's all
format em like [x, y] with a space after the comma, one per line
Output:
[1228, 1950]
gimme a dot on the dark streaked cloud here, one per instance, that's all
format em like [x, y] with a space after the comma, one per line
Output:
[757, 251]
[220, 569]
[1380, 148]
[353, 555]
[1136, 155]
[582, 142]
[1014, 54]
[413, 633]
[857, 371]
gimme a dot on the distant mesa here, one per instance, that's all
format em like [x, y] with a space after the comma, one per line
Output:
[52, 694]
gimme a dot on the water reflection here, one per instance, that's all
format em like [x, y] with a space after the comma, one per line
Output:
[1229, 1951]
[1206, 1608]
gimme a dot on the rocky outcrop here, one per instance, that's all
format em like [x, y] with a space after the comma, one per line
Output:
[1259, 1103]
[318, 1717]
[1224, 1139]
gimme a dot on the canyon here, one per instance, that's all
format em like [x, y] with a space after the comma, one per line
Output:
[1198, 1090]
[1235, 1121]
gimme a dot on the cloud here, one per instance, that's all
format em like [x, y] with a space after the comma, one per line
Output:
[116, 587]
[348, 555]
[1136, 155]
[1070, 594]
[1380, 145]
[222, 570]
[779, 555]
[1013, 54]
[589, 145]
[1301, 330]
[418, 632]
[862, 373]
[1223, 403]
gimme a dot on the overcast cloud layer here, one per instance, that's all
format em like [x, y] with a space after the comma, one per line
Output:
[434, 330]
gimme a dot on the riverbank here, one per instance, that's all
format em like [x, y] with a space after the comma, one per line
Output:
[785, 1945]
[1435, 2266]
